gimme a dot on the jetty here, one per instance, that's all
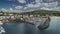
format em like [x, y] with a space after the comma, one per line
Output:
[45, 24]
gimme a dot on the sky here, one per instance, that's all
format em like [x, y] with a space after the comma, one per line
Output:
[29, 5]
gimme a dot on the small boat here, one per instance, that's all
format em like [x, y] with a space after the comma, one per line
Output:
[45, 24]
[2, 31]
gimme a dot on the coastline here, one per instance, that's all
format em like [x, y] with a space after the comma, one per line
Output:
[27, 22]
[54, 16]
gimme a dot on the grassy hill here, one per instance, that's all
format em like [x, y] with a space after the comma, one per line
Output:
[36, 12]
[43, 12]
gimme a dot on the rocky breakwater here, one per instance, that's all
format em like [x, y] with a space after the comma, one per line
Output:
[45, 24]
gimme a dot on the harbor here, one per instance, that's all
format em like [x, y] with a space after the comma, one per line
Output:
[30, 19]
[25, 28]
[29, 16]
[15, 17]
[41, 22]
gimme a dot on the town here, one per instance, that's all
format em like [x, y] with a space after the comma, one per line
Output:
[26, 16]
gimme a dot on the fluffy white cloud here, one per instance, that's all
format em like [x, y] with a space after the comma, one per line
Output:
[38, 1]
[38, 4]
[21, 1]
[52, 4]
[3, 9]
[11, 9]
[19, 7]
[25, 8]
[56, 8]
[32, 6]
[45, 8]
[6, 10]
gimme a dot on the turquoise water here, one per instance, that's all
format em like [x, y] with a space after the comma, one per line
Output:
[25, 28]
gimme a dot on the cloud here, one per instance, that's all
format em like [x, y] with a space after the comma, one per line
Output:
[19, 7]
[3, 9]
[38, 1]
[11, 9]
[25, 8]
[34, 5]
[21, 1]
[56, 8]
[37, 4]
[45, 8]
[6, 10]
[31, 5]
[52, 4]
[42, 5]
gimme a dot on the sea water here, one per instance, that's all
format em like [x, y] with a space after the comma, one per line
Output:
[25, 28]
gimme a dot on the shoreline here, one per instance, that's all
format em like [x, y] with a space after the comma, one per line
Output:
[54, 16]
[50, 17]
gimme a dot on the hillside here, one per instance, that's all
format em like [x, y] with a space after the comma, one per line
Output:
[43, 12]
